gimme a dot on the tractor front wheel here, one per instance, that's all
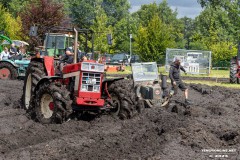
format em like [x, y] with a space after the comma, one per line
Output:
[8, 71]
[52, 103]
[34, 74]
[124, 100]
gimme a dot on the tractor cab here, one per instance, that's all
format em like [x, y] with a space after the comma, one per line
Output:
[55, 44]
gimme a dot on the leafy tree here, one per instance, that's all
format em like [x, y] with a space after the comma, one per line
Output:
[100, 28]
[187, 30]
[232, 9]
[82, 13]
[5, 3]
[167, 16]
[153, 40]
[17, 6]
[43, 13]
[116, 10]
[10, 25]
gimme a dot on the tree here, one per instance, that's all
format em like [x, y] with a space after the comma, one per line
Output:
[43, 13]
[82, 13]
[153, 40]
[100, 28]
[167, 16]
[232, 9]
[188, 30]
[17, 6]
[116, 10]
[10, 25]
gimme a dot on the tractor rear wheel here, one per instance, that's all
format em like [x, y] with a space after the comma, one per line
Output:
[34, 74]
[8, 71]
[233, 71]
[52, 103]
[125, 102]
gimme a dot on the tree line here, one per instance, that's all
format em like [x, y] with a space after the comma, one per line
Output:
[154, 27]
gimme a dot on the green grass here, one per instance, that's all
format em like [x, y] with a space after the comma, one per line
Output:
[212, 83]
[214, 73]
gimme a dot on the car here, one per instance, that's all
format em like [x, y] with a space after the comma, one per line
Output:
[106, 58]
[121, 58]
[135, 59]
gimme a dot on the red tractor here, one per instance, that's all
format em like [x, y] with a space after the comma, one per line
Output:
[235, 68]
[79, 87]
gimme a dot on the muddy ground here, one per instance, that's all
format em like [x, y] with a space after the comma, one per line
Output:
[176, 133]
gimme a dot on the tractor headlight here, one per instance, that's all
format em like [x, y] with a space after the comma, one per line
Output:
[97, 67]
[84, 88]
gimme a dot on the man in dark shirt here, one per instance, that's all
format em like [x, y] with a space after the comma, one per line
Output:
[69, 54]
[13, 50]
[176, 81]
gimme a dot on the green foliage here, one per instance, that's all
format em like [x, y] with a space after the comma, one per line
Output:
[17, 6]
[116, 10]
[153, 40]
[223, 51]
[10, 25]
[43, 13]
[100, 28]
[82, 13]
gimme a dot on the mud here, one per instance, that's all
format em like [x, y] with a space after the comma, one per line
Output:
[178, 132]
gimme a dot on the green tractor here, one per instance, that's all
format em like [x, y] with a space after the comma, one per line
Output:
[56, 43]
[11, 68]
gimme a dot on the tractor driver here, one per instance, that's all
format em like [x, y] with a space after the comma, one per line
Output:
[69, 55]
[176, 81]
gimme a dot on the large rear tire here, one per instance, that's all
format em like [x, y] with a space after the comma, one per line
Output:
[8, 71]
[34, 74]
[52, 103]
[233, 71]
[124, 99]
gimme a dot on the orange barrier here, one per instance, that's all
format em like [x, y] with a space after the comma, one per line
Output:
[114, 68]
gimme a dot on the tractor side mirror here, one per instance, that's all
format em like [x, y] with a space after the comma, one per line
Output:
[33, 31]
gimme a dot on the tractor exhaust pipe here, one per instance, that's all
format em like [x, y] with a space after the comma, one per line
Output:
[75, 45]
[164, 81]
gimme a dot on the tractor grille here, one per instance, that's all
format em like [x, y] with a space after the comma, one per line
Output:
[91, 82]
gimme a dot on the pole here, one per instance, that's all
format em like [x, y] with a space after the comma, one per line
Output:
[130, 46]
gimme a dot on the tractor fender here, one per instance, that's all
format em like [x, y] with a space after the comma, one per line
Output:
[10, 62]
[48, 64]
[45, 79]
[110, 81]
[107, 82]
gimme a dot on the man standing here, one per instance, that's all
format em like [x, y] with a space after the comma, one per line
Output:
[176, 81]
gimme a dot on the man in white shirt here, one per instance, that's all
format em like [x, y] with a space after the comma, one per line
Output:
[5, 54]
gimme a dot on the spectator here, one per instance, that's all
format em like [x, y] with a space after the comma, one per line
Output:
[5, 54]
[22, 49]
[13, 50]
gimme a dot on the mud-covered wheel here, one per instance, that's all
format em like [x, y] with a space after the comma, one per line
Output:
[125, 101]
[8, 71]
[233, 71]
[34, 74]
[52, 103]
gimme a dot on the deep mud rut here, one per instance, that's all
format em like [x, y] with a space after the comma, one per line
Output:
[212, 122]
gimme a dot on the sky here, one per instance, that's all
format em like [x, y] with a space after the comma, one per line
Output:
[189, 8]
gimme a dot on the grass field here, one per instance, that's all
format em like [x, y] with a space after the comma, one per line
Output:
[214, 74]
